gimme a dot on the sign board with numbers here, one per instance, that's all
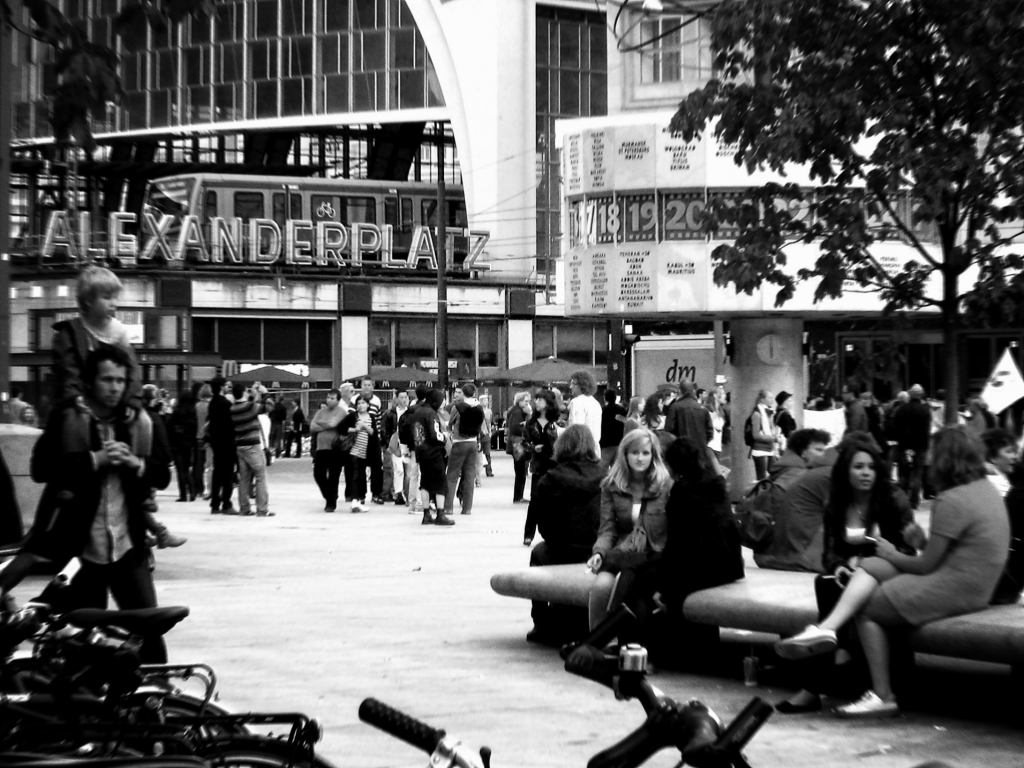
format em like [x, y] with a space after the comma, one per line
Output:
[635, 201]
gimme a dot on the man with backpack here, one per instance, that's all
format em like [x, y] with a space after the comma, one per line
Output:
[467, 419]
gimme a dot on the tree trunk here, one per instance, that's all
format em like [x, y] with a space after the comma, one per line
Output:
[950, 342]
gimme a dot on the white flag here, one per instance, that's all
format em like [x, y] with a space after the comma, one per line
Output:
[1005, 386]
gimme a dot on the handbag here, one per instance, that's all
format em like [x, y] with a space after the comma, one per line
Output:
[518, 448]
[344, 443]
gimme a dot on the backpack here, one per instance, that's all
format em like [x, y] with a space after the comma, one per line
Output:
[755, 516]
[748, 430]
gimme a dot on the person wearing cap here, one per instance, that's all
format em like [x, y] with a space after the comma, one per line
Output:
[783, 415]
[688, 418]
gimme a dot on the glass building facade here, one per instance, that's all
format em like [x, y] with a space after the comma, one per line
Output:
[572, 81]
[253, 59]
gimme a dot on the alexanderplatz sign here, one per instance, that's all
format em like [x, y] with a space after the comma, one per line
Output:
[174, 241]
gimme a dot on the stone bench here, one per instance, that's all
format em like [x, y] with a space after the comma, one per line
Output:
[782, 603]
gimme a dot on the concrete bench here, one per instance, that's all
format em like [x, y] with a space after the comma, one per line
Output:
[782, 603]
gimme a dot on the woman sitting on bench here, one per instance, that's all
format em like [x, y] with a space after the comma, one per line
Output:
[633, 526]
[955, 574]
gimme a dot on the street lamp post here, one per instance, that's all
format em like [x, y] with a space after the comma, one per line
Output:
[6, 121]
[442, 267]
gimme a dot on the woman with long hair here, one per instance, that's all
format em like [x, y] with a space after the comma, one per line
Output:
[541, 434]
[956, 573]
[633, 526]
[863, 503]
[181, 429]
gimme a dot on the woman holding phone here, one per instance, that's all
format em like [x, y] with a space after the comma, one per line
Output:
[863, 505]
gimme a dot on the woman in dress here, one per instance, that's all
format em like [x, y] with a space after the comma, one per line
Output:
[633, 527]
[956, 573]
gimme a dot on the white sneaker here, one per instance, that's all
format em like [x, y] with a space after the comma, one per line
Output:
[869, 705]
[355, 508]
[813, 641]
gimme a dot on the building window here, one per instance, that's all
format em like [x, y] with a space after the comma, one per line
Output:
[204, 334]
[575, 343]
[264, 341]
[461, 340]
[284, 341]
[488, 342]
[414, 341]
[543, 340]
[380, 343]
[321, 342]
[680, 49]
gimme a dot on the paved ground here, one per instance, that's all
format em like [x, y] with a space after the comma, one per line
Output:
[313, 612]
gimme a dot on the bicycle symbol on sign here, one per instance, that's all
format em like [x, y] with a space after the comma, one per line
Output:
[325, 211]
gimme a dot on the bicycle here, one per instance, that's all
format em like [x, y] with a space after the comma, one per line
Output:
[691, 727]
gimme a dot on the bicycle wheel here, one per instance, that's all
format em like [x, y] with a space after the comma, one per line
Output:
[257, 752]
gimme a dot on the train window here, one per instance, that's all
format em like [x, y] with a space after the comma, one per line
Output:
[248, 205]
[295, 202]
[325, 207]
[456, 213]
[277, 203]
[391, 212]
[360, 210]
[210, 209]
[171, 196]
[407, 220]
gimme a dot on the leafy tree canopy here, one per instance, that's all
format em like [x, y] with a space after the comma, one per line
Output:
[908, 115]
[87, 78]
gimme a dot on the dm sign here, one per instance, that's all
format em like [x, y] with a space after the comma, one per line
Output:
[176, 240]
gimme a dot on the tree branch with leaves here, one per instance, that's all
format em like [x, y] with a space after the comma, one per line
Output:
[907, 116]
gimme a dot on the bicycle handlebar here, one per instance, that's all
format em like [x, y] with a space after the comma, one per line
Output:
[400, 725]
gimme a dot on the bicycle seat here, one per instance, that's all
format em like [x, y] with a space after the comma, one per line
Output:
[140, 621]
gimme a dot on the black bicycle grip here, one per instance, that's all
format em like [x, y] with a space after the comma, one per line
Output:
[400, 725]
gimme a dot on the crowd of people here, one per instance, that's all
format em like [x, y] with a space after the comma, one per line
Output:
[638, 492]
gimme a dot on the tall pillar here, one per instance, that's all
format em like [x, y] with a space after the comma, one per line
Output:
[767, 353]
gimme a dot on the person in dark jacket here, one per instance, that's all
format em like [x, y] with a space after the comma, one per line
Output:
[428, 437]
[515, 434]
[221, 438]
[100, 462]
[181, 430]
[783, 414]
[566, 508]
[911, 429]
[686, 417]
[613, 426]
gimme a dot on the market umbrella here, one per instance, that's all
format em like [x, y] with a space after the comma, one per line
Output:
[270, 374]
[400, 376]
[548, 371]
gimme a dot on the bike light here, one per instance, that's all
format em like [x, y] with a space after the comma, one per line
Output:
[633, 658]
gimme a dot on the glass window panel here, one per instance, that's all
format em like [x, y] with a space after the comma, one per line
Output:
[284, 341]
[278, 208]
[576, 343]
[239, 339]
[204, 334]
[403, 48]
[391, 212]
[335, 15]
[414, 341]
[321, 342]
[159, 110]
[569, 93]
[488, 341]
[249, 205]
[461, 340]
[329, 49]
[199, 101]
[266, 99]
[211, 205]
[412, 89]
[364, 14]
[266, 18]
[598, 95]
[231, 63]
[569, 46]
[200, 30]
[160, 331]
[375, 51]
[543, 340]
[336, 88]
[364, 90]
[167, 68]
[542, 42]
[292, 92]
[301, 61]
[224, 26]
[542, 90]
[193, 66]
[380, 342]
